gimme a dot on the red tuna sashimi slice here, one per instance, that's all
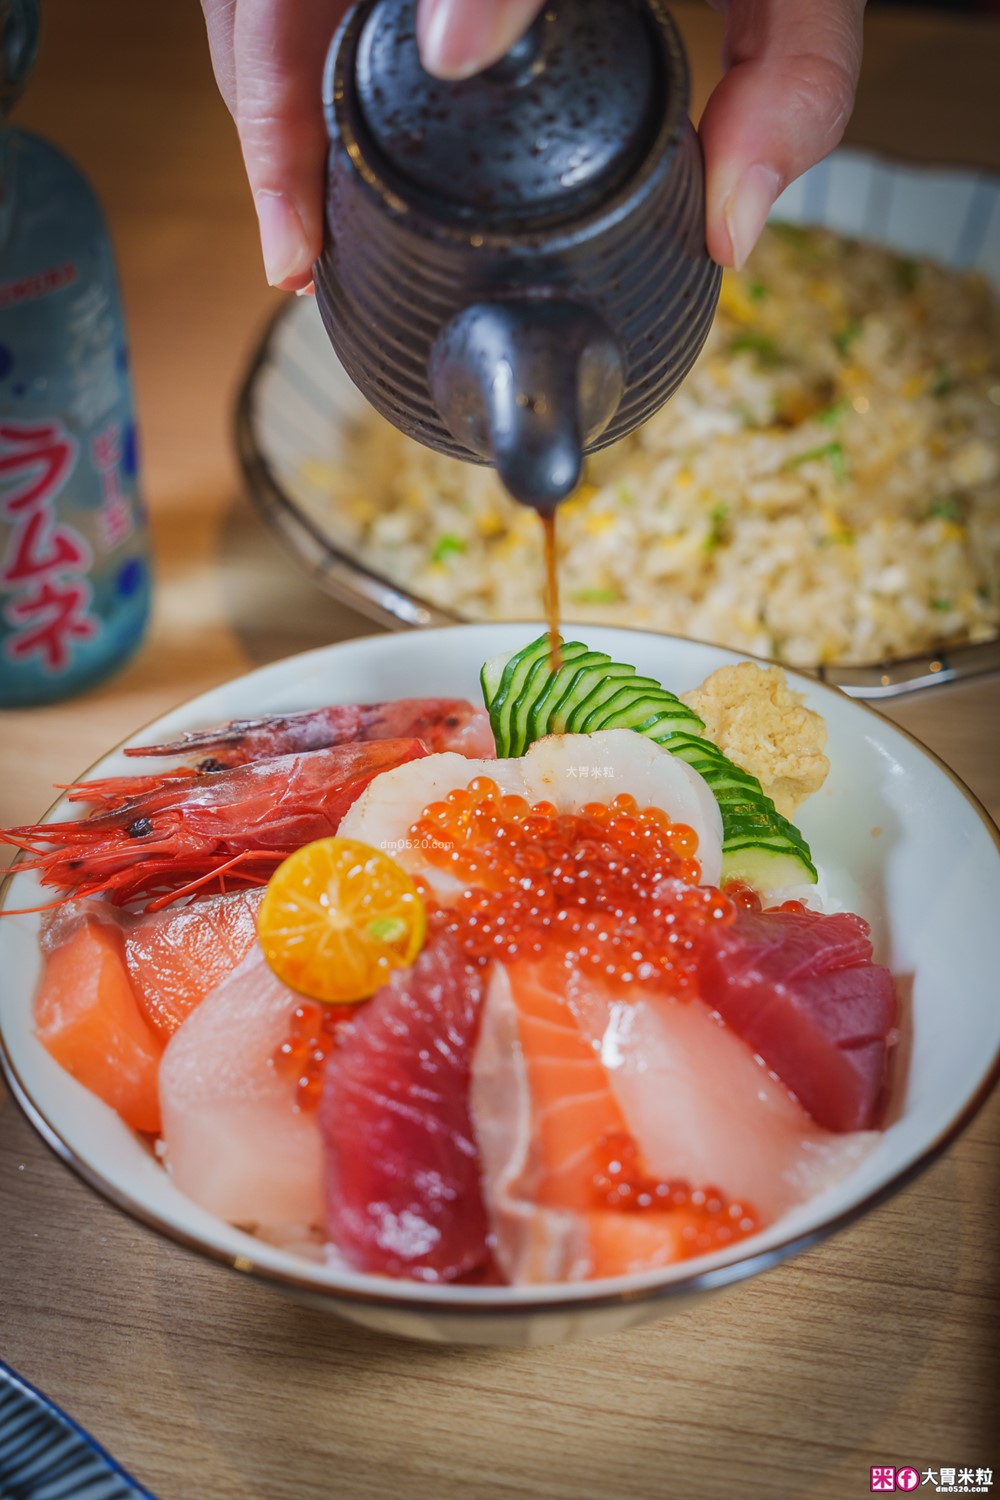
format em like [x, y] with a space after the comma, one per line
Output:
[178, 956]
[803, 993]
[402, 1169]
[233, 1138]
[87, 1018]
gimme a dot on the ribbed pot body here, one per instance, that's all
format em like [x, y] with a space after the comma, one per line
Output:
[393, 274]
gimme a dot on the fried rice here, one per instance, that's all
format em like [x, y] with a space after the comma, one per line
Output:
[825, 486]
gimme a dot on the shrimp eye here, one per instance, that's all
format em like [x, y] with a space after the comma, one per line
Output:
[139, 829]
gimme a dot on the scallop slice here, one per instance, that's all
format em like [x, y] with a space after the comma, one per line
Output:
[568, 770]
[571, 770]
[390, 805]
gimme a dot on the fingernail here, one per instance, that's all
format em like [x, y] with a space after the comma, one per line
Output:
[282, 238]
[309, 290]
[747, 208]
[447, 34]
[460, 37]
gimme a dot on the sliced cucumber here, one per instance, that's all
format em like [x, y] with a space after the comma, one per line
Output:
[630, 707]
[570, 685]
[766, 867]
[544, 687]
[491, 674]
[515, 674]
[590, 692]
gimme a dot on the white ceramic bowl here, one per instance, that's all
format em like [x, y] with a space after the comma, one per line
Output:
[901, 840]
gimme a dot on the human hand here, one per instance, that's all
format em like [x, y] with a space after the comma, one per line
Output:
[792, 67]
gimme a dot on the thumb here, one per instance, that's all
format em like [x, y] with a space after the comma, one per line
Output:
[783, 104]
[460, 37]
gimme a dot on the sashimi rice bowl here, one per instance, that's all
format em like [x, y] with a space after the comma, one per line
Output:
[479, 989]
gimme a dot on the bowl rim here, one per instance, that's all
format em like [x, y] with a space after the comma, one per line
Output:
[448, 1300]
[348, 578]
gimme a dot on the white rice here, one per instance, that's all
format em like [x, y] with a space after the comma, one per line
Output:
[825, 487]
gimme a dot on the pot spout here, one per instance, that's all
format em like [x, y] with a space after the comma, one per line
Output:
[527, 385]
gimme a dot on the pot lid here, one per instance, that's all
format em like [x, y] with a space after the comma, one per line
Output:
[550, 130]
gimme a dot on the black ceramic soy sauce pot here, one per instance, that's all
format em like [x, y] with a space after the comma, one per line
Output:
[515, 268]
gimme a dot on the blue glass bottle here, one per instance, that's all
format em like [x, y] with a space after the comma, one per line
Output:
[74, 557]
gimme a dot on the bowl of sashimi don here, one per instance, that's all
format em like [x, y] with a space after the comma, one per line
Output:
[479, 997]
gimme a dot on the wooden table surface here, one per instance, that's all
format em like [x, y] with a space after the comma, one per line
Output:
[878, 1347]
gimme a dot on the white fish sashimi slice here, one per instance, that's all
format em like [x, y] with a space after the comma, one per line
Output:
[568, 770]
[702, 1107]
[233, 1140]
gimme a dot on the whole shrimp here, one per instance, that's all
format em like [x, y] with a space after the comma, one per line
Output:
[164, 836]
[442, 724]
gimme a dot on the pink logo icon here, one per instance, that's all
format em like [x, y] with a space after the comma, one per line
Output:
[907, 1479]
[883, 1480]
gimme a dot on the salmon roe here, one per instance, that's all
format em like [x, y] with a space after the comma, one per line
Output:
[744, 895]
[712, 1220]
[311, 1037]
[614, 886]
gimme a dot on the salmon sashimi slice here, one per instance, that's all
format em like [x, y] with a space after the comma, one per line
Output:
[561, 1064]
[802, 990]
[176, 957]
[541, 1104]
[402, 1167]
[233, 1138]
[88, 1019]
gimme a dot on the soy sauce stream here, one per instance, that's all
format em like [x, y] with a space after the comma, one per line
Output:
[551, 589]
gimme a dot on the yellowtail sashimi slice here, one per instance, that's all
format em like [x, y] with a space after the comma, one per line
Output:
[233, 1139]
[702, 1107]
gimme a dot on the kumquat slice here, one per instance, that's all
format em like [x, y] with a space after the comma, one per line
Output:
[337, 917]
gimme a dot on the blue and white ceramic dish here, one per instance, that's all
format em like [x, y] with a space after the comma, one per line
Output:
[297, 398]
[45, 1455]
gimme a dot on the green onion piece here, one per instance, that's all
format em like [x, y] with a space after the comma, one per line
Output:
[717, 529]
[941, 604]
[756, 291]
[946, 509]
[595, 596]
[760, 344]
[942, 382]
[832, 452]
[836, 539]
[847, 336]
[447, 546]
[832, 415]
